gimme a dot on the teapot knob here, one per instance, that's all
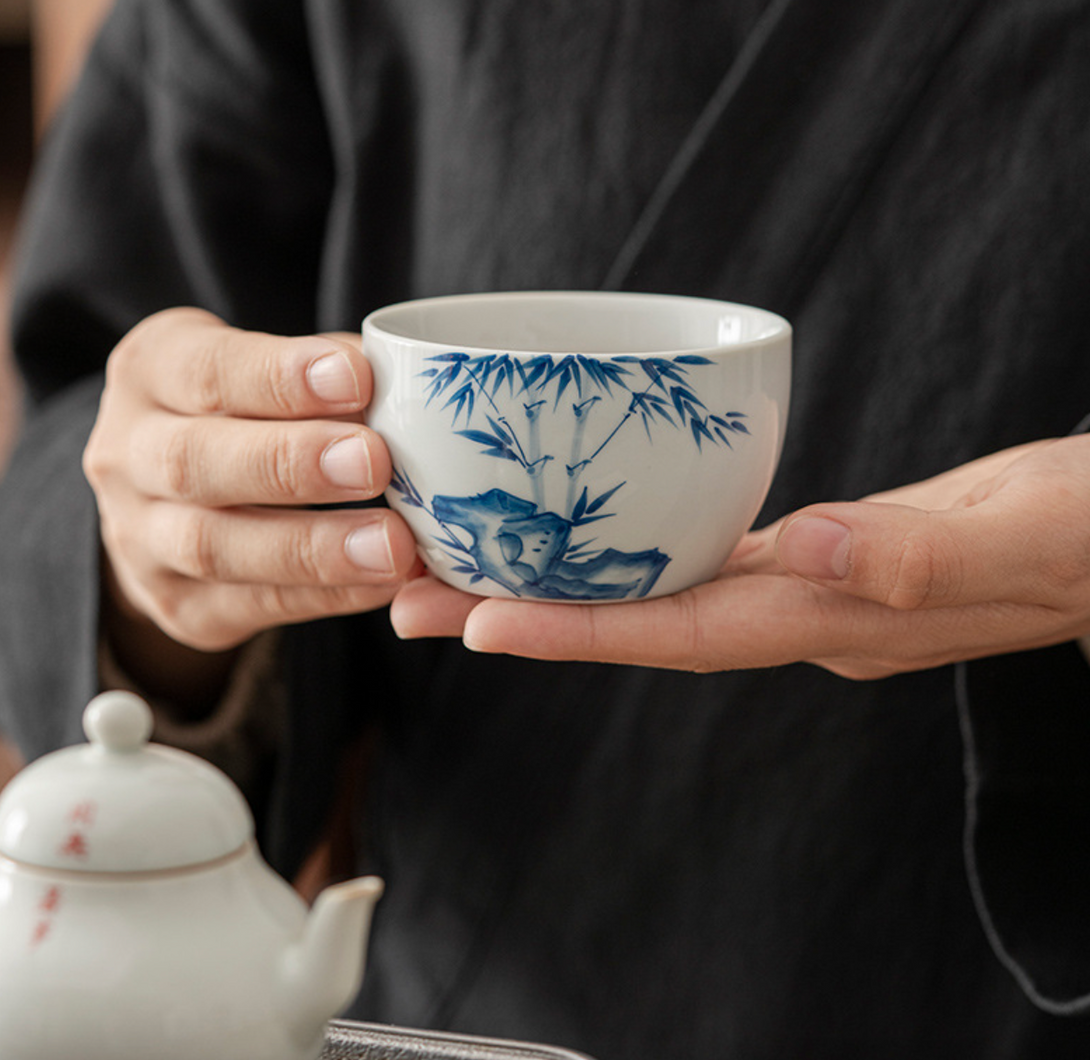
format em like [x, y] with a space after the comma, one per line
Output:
[118, 721]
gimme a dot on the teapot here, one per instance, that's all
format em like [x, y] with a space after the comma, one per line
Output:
[138, 919]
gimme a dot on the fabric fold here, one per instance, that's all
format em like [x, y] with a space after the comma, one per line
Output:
[48, 623]
[850, 79]
[1026, 723]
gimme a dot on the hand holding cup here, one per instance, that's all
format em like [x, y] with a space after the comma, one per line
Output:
[210, 448]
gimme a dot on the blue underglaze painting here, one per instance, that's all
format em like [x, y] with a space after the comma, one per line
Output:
[516, 541]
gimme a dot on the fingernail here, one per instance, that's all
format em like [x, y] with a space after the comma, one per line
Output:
[331, 379]
[346, 464]
[815, 548]
[368, 547]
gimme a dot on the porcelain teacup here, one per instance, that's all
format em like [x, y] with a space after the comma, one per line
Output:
[578, 446]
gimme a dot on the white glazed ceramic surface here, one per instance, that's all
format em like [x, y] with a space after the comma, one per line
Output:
[102, 968]
[118, 804]
[578, 446]
[106, 955]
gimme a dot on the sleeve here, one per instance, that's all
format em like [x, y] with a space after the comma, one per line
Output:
[242, 733]
[48, 578]
[189, 167]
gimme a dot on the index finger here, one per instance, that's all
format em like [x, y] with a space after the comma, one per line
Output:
[191, 362]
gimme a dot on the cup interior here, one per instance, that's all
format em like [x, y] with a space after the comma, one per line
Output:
[604, 323]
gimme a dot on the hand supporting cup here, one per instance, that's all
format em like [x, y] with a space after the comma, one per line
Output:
[985, 559]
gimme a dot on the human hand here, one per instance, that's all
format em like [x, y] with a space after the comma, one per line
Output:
[208, 443]
[991, 557]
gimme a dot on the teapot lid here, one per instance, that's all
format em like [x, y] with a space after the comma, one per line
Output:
[119, 803]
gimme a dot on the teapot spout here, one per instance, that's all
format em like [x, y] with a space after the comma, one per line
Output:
[321, 973]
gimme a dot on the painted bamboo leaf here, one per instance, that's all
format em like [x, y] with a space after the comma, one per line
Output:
[410, 495]
[493, 445]
[581, 516]
[653, 373]
[670, 371]
[439, 384]
[580, 507]
[700, 431]
[448, 540]
[593, 371]
[602, 498]
[731, 422]
[659, 407]
[501, 431]
[482, 438]
[463, 399]
[533, 370]
[504, 374]
[580, 550]
[483, 366]
[605, 374]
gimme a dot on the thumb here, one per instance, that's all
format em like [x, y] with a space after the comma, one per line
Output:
[908, 558]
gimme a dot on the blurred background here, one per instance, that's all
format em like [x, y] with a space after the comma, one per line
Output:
[42, 46]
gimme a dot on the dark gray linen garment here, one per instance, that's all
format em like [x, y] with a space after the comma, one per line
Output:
[766, 865]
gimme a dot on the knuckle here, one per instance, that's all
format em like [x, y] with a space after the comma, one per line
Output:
[169, 613]
[124, 353]
[118, 366]
[166, 598]
[124, 543]
[151, 332]
[187, 612]
[344, 599]
[189, 624]
[173, 317]
[194, 547]
[207, 377]
[303, 552]
[95, 461]
[180, 464]
[270, 604]
[280, 385]
[922, 574]
[591, 630]
[280, 468]
[1063, 574]
[693, 656]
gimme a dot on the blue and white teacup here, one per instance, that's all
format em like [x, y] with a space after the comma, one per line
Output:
[578, 446]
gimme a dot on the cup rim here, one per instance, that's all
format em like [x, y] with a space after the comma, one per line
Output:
[776, 328]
